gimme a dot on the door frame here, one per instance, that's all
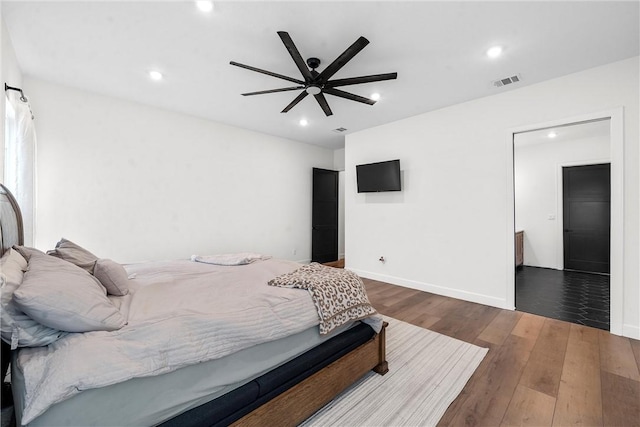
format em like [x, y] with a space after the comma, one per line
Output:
[616, 116]
[560, 204]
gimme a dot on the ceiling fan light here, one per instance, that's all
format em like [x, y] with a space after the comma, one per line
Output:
[313, 90]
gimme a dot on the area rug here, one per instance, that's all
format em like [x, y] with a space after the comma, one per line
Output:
[427, 371]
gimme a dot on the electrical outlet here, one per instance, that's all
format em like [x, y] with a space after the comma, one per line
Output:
[294, 251]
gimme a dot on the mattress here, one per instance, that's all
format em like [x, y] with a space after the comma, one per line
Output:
[152, 400]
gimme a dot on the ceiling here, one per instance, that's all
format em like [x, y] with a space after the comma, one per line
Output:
[437, 49]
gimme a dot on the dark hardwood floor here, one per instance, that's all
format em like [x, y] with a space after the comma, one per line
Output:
[538, 372]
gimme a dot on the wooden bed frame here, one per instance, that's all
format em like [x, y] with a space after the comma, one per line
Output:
[287, 409]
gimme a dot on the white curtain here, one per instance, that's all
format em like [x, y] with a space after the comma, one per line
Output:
[20, 159]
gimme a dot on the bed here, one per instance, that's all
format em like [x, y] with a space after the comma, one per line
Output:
[201, 376]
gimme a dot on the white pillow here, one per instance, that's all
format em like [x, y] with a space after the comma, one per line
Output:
[63, 296]
[16, 328]
[75, 254]
[113, 276]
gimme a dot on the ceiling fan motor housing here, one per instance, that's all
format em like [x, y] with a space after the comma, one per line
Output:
[313, 63]
[319, 84]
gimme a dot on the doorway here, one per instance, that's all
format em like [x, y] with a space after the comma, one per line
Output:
[562, 190]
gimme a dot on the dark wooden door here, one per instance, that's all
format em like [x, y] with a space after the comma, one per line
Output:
[324, 217]
[587, 217]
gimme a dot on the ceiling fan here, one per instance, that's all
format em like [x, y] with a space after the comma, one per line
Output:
[318, 84]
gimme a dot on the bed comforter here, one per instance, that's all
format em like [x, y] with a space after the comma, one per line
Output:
[179, 313]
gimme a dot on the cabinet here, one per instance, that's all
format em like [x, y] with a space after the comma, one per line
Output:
[519, 248]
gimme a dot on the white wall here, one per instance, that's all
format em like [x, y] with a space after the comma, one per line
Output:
[11, 75]
[132, 182]
[538, 192]
[338, 159]
[445, 232]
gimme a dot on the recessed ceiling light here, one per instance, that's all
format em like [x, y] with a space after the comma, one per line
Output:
[303, 122]
[155, 75]
[494, 52]
[552, 134]
[205, 5]
[375, 96]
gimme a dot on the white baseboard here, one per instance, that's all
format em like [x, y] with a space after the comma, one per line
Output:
[631, 331]
[435, 289]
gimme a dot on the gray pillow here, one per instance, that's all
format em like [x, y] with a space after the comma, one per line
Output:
[62, 296]
[75, 254]
[16, 328]
[113, 277]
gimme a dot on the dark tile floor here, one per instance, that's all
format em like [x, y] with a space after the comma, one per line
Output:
[572, 296]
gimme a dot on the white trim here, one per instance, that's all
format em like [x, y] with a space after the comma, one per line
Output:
[617, 210]
[434, 289]
[560, 203]
[631, 331]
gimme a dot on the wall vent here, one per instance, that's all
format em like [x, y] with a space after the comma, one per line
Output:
[507, 81]
[340, 130]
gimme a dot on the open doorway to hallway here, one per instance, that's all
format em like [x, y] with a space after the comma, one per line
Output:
[564, 217]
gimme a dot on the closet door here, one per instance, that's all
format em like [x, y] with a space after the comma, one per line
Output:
[324, 218]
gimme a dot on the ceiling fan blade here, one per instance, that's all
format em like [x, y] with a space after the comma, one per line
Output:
[323, 104]
[295, 55]
[347, 95]
[295, 101]
[341, 60]
[363, 79]
[268, 73]
[284, 89]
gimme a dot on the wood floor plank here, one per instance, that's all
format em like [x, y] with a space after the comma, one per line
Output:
[391, 294]
[473, 383]
[494, 388]
[544, 367]
[500, 327]
[422, 319]
[585, 333]
[529, 327]
[461, 319]
[635, 345]
[579, 400]
[620, 400]
[409, 306]
[529, 408]
[617, 356]
[444, 306]
[462, 327]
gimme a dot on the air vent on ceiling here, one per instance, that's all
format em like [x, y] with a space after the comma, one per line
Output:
[340, 130]
[507, 81]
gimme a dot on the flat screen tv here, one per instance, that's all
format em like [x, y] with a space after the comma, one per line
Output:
[376, 177]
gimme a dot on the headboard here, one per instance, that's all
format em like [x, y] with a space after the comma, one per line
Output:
[11, 231]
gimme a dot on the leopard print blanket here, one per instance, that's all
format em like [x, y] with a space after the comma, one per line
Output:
[339, 295]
